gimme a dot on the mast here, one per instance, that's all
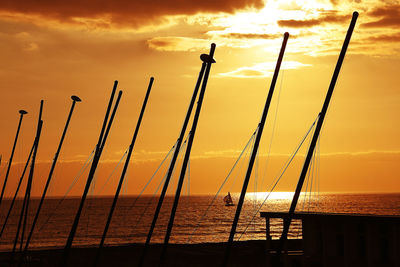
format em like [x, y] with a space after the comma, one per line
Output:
[74, 100]
[318, 127]
[254, 152]
[208, 59]
[121, 180]
[17, 190]
[22, 113]
[99, 149]
[172, 164]
[25, 205]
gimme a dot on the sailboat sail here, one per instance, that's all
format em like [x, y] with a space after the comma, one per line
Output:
[228, 200]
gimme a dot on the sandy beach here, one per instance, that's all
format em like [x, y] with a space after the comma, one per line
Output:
[246, 253]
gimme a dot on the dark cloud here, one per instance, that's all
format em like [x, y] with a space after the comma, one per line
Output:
[326, 18]
[123, 12]
[389, 16]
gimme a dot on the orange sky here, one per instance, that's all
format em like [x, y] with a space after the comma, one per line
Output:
[51, 51]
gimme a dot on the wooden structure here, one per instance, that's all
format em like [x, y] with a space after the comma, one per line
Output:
[331, 239]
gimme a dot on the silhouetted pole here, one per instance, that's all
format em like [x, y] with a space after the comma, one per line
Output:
[30, 177]
[99, 148]
[172, 164]
[25, 204]
[17, 190]
[22, 113]
[121, 180]
[254, 152]
[208, 59]
[313, 143]
[74, 100]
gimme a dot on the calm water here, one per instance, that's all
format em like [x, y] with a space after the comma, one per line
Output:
[132, 217]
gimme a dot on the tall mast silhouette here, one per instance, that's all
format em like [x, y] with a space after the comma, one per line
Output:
[318, 127]
[17, 190]
[22, 113]
[53, 165]
[121, 180]
[208, 59]
[254, 152]
[25, 204]
[172, 164]
[105, 129]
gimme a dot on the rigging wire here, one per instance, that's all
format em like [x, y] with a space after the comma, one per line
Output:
[318, 170]
[273, 127]
[312, 180]
[252, 138]
[282, 172]
[111, 174]
[188, 178]
[151, 178]
[222, 185]
[257, 165]
[159, 185]
[308, 176]
[76, 178]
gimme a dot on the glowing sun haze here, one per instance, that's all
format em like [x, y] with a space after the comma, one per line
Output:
[54, 49]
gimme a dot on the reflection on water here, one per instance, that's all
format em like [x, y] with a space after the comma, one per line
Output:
[131, 222]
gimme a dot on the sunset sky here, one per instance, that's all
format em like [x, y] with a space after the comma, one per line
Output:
[54, 49]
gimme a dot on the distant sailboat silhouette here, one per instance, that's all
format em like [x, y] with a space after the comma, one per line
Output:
[228, 200]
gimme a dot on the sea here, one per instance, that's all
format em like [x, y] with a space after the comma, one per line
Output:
[199, 218]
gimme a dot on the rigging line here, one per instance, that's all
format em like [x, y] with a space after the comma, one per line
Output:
[149, 202]
[312, 179]
[243, 163]
[307, 180]
[304, 196]
[80, 172]
[257, 166]
[222, 185]
[154, 174]
[125, 184]
[89, 203]
[312, 170]
[273, 127]
[315, 174]
[188, 179]
[159, 186]
[283, 170]
[151, 178]
[111, 174]
[319, 169]
[1, 171]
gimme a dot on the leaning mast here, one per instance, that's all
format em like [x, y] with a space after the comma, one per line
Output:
[317, 131]
[209, 60]
[22, 113]
[254, 152]
[121, 180]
